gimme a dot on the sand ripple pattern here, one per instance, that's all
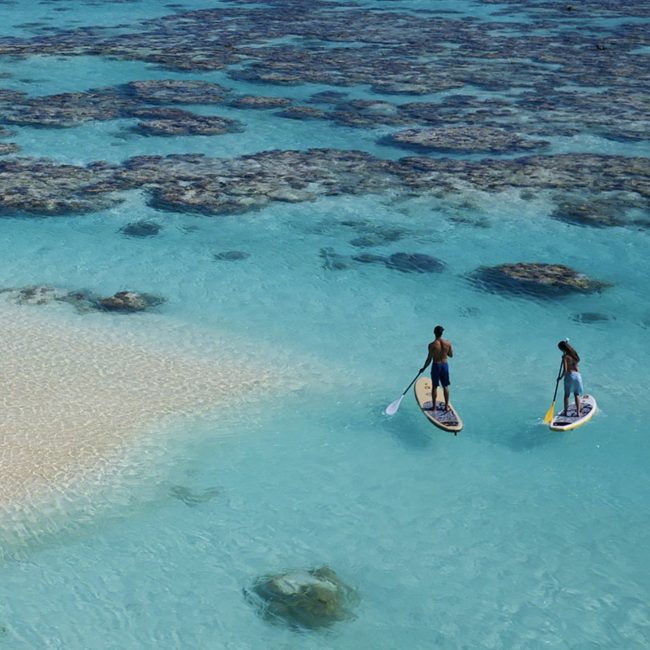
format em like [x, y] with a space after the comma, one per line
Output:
[74, 398]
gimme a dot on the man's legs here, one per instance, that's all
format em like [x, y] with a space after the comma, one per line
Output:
[434, 394]
[577, 398]
[445, 390]
[435, 378]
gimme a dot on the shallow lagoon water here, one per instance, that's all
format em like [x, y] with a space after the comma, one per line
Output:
[507, 536]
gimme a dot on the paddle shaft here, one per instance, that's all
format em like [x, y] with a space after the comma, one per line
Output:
[557, 381]
[411, 384]
[551, 409]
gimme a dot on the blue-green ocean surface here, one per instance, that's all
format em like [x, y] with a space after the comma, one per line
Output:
[507, 536]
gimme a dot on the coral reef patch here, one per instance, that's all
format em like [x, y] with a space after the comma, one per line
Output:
[311, 599]
[536, 279]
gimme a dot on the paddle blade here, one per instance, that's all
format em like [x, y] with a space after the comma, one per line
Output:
[391, 409]
[549, 414]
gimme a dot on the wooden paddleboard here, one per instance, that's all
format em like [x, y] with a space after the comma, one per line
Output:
[572, 420]
[446, 420]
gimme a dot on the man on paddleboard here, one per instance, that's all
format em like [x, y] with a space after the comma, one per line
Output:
[439, 352]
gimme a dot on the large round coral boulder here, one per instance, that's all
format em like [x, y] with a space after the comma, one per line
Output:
[311, 599]
[536, 278]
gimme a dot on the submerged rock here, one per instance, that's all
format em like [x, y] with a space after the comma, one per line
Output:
[327, 97]
[8, 147]
[35, 294]
[334, 261]
[129, 301]
[141, 229]
[176, 91]
[311, 599]
[301, 113]
[538, 279]
[231, 256]
[599, 214]
[190, 497]
[591, 317]
[414, 263]
[369, 258]
[174, 121]
[367, 241]
[469, 139]
[376, 236]
[259, 101]
[82, 299]
[42, 187]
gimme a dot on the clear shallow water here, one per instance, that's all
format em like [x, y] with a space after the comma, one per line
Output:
[504, 537]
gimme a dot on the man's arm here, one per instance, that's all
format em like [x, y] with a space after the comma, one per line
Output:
[450, 352]
[428, 361]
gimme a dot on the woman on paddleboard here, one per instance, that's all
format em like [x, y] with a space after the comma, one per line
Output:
[571, 374]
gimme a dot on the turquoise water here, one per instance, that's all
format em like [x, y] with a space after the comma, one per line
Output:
[507, 536]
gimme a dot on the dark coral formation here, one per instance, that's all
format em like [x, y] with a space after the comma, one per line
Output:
[301, 113]
[606, 210]
[463, 139]
[177, 91]
[260, 102]
[447, 81]
[414, 263]
[311, 599]
[231, 256]
[402, 262]
[141, 229]
[546, 80]
[43, 187]
[333, 261]
[84, 300]
[128, 301]
[197, 183]
[141, 99]
[536, 279]
[174, 121]
[592, 317]
[193, 498]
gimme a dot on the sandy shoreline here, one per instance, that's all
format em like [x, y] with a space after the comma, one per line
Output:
[75, 394]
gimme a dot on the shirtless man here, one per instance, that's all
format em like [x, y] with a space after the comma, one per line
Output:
[439, 351]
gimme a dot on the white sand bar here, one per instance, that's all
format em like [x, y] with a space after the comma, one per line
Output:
[75, 392]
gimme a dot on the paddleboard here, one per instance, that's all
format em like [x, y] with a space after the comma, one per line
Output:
[572, 420]
[446, 420]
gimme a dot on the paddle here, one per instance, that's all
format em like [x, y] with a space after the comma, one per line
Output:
[551, 409]
[391, 409]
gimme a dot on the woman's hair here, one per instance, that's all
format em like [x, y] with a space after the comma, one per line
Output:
[568, 349]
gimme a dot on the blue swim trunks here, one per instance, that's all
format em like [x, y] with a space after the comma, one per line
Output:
[440, 374]
[573, 384]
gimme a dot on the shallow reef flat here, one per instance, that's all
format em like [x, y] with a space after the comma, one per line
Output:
[532, 68]
[509, 86]
[216, 186]
[78, 394]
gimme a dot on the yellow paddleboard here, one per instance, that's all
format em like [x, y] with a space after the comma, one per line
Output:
[571, 420]
[446, 420]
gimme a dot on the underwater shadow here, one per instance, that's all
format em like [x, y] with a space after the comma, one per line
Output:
[407, 429]
[534, 436]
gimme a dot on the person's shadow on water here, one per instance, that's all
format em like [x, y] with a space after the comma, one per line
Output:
[532, 435]
[406, 427]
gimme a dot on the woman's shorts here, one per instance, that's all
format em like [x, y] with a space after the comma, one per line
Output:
[573, 383]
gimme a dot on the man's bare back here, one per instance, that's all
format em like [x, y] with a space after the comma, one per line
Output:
[440, 350]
